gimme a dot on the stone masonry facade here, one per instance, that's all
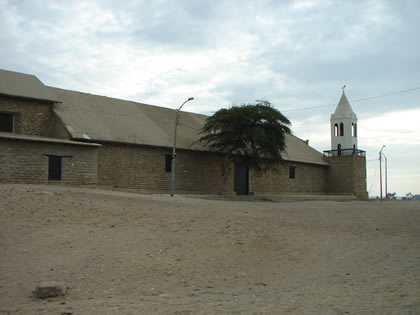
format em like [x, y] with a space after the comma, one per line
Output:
[308, 178]
[142, 168]
[23, 161]
[30, 117]
[347, 175]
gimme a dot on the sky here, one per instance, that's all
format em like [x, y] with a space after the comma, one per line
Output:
[295, 54]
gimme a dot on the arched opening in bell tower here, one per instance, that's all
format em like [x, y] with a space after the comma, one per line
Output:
[336, 130]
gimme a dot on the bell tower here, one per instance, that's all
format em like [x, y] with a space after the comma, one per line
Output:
[346, 173]
[343, 128]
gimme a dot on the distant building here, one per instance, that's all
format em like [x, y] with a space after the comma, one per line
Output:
[51, 135]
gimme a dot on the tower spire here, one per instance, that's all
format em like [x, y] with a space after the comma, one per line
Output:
[343, 127]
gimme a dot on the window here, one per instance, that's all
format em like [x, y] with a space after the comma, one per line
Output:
[335, 130]
[341, 129]
[355, 130]
[292, 172]
[54, 167]
[6, 122]
[168, 163]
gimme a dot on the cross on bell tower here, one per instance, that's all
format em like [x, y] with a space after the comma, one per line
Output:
[343, 128]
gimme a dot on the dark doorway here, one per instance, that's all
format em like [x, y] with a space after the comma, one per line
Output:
[54, 167]
[241, 179]
[168, 163]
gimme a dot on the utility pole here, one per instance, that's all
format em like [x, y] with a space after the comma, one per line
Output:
[174, 148]
[386, 175]
[380, 170]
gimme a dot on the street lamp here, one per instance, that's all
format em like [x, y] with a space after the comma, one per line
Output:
[174, 148]
[380, 169]
[386, 176]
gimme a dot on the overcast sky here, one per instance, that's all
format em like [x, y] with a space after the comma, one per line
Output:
[296, 54]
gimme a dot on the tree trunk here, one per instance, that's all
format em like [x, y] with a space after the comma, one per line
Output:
[228, 169]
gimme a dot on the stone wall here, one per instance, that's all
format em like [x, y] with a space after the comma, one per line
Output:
[31, 117]
[347, 175]
[23, 161]
[142, 168]
[309, 178]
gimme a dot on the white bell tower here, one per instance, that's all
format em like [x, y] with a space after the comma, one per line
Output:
[343, 128]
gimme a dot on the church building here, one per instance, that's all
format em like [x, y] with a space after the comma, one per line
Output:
[56, 136]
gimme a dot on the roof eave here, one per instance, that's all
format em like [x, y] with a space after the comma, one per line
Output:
[31, 98]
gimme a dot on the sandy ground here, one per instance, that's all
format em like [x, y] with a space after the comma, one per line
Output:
[123, 253]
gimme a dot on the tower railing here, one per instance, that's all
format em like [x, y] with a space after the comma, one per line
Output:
[344, 152]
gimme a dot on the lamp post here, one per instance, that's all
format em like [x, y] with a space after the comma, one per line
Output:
[380, 170]
[174, 148]
[386, 176]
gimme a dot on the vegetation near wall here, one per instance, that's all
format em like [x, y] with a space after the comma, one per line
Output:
[256, 132]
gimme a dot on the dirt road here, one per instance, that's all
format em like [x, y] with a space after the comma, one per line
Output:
[123, 253]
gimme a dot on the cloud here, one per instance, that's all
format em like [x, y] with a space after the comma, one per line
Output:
[399, 127]
[297, 52]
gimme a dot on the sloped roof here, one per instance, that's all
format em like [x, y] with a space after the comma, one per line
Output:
[24, 85]
[343, 107]
[299, 151]
[100, 118]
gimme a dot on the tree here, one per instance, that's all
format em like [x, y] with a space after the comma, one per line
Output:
[391, 196]
[256, 132]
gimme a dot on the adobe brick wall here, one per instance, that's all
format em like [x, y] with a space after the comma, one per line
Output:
[347, 174]
[24, 162]
[308, 179]
[201, 172]
[143, 169]
[31, 117]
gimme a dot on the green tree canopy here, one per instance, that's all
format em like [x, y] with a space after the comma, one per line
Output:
[254, 131]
